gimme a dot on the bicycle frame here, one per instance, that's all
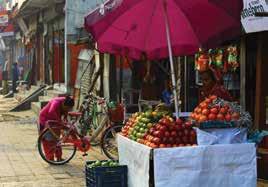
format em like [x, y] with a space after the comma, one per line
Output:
[70, 136]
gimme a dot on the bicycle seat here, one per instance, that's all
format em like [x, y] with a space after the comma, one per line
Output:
[74, 114]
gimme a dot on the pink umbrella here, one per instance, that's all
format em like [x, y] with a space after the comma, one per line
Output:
[163, 28]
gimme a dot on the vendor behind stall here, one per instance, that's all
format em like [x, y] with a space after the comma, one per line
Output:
[167, 95]
[211, 85]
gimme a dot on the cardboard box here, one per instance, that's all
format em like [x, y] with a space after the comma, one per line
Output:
[226, 165]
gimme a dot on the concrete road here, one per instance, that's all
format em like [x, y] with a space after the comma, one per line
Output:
[20, 163]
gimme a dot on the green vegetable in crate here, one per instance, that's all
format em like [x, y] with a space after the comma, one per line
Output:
[109, 163]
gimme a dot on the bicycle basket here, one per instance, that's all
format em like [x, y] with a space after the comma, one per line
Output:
[116, 113]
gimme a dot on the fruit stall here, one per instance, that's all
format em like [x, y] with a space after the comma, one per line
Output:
[209, 148]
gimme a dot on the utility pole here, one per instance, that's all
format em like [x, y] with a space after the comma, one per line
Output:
[66, 60]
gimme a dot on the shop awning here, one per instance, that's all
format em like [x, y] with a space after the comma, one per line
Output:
[30, 7]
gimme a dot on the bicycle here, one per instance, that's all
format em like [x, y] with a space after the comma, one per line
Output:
[72, 134]
[108, 119]
[64, 138]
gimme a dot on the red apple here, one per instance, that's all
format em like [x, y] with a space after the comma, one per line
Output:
[179, 121]
[158, 134]
[173, 133]
[167, 134]
[188, 124]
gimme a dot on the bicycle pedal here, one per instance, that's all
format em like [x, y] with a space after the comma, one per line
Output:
[85, 154]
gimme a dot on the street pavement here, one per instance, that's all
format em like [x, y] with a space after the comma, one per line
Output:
[20, 163]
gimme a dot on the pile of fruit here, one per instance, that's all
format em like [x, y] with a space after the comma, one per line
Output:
[138, 125]
[215, 109]
[169, 133]
[109, 163]
[148, 129]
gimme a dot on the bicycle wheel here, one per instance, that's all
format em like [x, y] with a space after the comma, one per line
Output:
[109, 142]
[55, 151]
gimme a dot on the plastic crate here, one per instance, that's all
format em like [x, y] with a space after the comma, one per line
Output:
[105, 176]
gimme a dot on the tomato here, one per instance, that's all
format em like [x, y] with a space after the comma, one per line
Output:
[174, 145]
[214, 110]
[235, 116]
[193, 116]
[223, 110]
[181, 145]
[212, 117]
[208, 100]
[199, 111]
[220, 117]
[204, 106]
[205, 111]
[162, 146]
[203, 118]
[228, 117]
[196, 109]
[213, 97]
[197, 117]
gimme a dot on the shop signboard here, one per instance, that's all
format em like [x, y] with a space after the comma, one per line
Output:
[3, 20]
[250, 22]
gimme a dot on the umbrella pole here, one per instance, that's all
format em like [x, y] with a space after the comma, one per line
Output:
[171, 61]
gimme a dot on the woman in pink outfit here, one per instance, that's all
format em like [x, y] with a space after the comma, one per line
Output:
[55, 110]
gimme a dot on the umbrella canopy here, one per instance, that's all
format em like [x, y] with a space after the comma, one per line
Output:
[132, 27]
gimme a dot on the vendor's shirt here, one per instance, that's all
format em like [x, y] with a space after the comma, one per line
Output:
[166, 97]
